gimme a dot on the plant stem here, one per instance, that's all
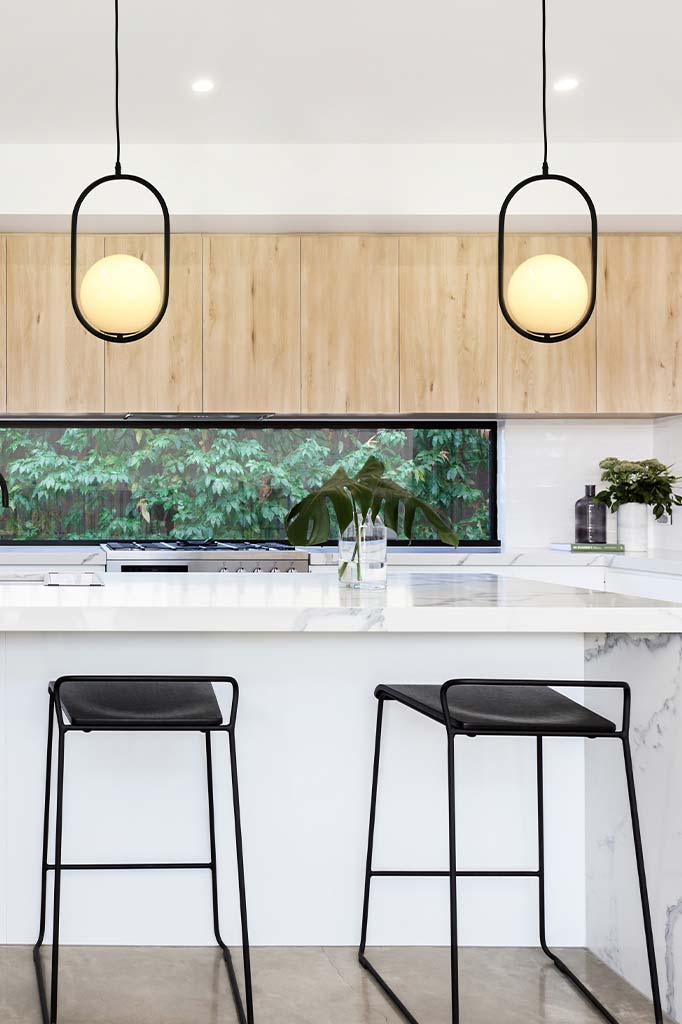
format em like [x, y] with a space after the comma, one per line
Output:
[355, 557]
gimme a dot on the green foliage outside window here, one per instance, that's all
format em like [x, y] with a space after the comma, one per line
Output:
[125, 482]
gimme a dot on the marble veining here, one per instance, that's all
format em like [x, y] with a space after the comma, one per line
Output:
[652, 665]
[654, 561]
[412, 602]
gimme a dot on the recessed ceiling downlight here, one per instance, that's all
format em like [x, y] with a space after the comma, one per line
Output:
[203, 85]
[566, 84]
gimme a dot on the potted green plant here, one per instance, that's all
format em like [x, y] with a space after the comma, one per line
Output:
[364, 505]
[633, 488]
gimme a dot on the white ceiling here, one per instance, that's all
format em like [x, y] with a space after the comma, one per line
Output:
[321, 71]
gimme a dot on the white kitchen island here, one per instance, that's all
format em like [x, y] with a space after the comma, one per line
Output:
[307, 657]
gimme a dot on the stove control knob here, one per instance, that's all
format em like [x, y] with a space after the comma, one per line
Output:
[258, 569]
[291, 570]
[240, 569]
[274, 569]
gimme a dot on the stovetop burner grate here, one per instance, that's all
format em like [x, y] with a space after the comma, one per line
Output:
[196, 545]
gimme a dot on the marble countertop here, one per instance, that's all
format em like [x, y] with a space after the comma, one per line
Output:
[412, 602]
[90, 555]
[651, 561]
[668, 562]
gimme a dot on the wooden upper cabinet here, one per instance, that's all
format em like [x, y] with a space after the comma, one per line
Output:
[53, 364]
[448, 323]
[349, 323]
[534, 377]
[162, 372]
[639, 324]
[252, 338]
[3, 324]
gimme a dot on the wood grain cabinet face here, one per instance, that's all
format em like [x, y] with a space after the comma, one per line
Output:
[252, 339]
[448, 323]
[162, 372]
[639, 324]
[53, 364]
[534, 377]
[349, 323]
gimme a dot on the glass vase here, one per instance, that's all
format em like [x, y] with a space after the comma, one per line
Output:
[362, 554]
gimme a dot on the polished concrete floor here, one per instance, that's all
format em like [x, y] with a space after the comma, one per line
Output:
[122, 985]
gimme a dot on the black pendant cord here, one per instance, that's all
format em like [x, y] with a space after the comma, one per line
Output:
[545, 165]
[117, 167]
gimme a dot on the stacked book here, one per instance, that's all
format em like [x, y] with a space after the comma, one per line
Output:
[613, 549]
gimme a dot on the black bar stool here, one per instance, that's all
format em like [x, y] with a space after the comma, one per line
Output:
[140, 704]
[496, 707]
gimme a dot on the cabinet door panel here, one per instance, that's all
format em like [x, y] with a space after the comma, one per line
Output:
[639, 324]
[252, 338]
[534, 377]
[162, 372]
[448, 323]
[349, 323]
[53, 364]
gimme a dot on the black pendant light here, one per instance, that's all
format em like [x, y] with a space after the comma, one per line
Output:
[548, 298]
[121, 299]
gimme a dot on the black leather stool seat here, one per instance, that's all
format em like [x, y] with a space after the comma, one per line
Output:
[90, 702]
[504, 707]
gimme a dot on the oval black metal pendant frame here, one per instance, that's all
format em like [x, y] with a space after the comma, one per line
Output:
[104, 335]
[548, 339]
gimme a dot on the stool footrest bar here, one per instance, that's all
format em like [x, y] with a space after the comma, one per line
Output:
[190, 865]
[459, 874]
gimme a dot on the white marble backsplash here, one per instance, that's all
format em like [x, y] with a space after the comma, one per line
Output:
[545, 465]
[668, 448]
[652, 664]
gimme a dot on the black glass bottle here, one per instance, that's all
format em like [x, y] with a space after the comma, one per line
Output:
[590, 519]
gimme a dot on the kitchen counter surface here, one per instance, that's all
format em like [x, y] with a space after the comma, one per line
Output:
[412, 602]
[668, 562]
[52, 554]
[645, 561]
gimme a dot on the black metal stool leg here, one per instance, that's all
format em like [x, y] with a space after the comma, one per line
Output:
[641, 875]
[244, 1018]
[43, 870]
[240, 877]
[559, 963]
[370, 838]
[541, 850]
[452, 836]
[54, 981]
[362, 958]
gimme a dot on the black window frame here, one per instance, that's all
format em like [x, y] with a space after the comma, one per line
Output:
[283, 421]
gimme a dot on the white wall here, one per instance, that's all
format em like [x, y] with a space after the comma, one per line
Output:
[545, 466]
[668, 448]
[373, 181]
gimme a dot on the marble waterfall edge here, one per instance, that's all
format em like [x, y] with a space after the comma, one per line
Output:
[652, 664]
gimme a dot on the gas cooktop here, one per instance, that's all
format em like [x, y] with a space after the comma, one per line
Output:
[203, 556]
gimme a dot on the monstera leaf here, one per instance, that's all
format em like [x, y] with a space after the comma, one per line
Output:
[351, 498]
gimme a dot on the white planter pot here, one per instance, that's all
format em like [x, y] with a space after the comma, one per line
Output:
[633, 526]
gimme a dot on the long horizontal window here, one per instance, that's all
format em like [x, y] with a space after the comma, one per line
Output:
[100, 480]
